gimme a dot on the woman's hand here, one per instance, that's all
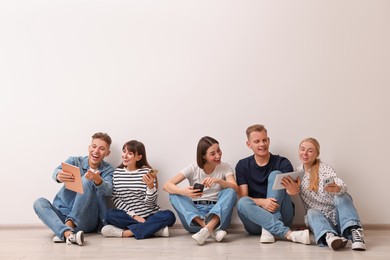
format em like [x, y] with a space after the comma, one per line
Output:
[149, 180]
[332, 188]
[209, 182]
[139, 219]
[191, 193]
[292, 187]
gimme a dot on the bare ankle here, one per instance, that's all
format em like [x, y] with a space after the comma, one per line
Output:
[70, 223]
[67, 233]
[127, 233]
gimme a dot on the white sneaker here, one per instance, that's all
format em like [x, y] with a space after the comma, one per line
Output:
[218, 234]
[266, 236]
[302, 237]
[201, 236]
[335, 242]
[164, 232]
[58, 240]
[111, 231]
[77, 238]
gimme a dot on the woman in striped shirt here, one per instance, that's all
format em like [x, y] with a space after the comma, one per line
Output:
[135, 198]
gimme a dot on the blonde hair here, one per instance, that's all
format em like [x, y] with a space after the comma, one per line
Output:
[314, 178]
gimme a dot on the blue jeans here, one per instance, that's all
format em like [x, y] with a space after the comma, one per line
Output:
[153, 223]
[346, 216]
[255, 217]
[187, 210]
[84, 212]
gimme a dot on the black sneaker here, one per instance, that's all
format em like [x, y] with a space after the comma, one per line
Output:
[77, 238]
[357, 240]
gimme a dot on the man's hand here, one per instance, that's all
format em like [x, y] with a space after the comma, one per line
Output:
[94, 176]
[269, 204]
[65, 177]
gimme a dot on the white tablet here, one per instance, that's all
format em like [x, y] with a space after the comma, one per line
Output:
[278, 179]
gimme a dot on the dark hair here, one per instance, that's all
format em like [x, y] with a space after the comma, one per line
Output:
[137, 148]
[203, 144]
[255, 128]
[105, 137]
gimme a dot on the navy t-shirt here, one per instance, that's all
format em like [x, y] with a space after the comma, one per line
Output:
[256, 177]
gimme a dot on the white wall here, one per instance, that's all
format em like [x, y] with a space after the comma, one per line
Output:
[169, 72]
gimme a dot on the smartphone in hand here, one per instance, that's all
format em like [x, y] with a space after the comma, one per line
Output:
[328, 181]
[198, 186]
[153, 173]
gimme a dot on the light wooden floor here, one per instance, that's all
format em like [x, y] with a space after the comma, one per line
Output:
[35, 243]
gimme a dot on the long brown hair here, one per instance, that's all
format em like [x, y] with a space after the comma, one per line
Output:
[314, 178]
[136, 148]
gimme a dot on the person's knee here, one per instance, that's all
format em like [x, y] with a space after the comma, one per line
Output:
[173, 198]
[313, 213]
[272, 175]
[342, 199]
[40, 203]
[171, 216]
[243, 204]
[231, 194]
[168, 214]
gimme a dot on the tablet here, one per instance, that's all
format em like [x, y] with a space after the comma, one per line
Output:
[278, 179]
[77, 185]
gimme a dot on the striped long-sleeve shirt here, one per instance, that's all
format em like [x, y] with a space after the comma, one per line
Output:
[131, 194]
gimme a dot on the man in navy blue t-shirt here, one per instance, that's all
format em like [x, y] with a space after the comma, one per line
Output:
[261, 209]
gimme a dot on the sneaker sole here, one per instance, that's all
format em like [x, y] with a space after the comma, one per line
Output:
[220, 237]
[58, 240]
[359, 246]
[338, 244]
[267, 241]
[80, 238]
[201, 243]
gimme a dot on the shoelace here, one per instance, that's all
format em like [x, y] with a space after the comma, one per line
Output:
[357, 235]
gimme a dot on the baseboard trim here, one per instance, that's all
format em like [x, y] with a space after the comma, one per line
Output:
[179, 226]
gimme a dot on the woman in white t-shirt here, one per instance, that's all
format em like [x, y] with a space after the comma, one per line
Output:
[206, 212]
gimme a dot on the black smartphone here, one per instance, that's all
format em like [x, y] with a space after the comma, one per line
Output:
[198, 186]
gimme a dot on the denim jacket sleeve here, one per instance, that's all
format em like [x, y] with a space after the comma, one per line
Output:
[76, 161]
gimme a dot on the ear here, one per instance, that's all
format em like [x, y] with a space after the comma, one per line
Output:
[248, 144]
[139, 157]
[108, 153]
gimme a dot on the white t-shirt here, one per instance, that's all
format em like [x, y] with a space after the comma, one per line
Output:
[194, 174]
